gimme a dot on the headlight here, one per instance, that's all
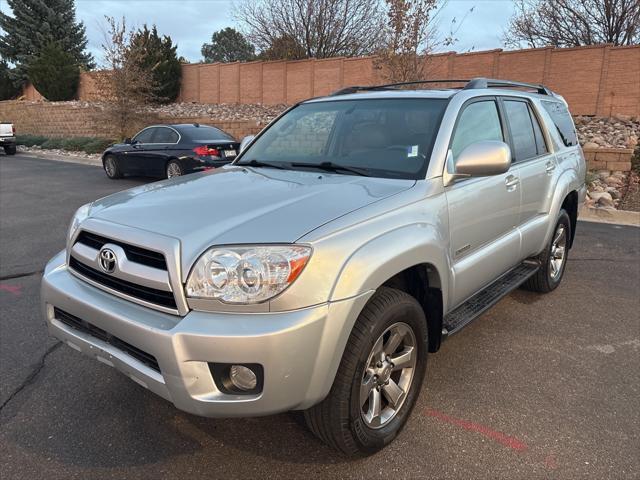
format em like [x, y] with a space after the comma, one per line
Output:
[244, 275]
[81, 214]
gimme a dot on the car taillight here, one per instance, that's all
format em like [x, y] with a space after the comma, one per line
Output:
[204, 151]
[13, 127]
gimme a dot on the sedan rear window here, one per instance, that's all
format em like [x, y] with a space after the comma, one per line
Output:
[383, 137]
[204, 133]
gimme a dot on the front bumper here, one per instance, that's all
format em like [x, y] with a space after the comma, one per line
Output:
[299, 350]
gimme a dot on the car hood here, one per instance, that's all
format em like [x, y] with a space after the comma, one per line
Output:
[235, 205]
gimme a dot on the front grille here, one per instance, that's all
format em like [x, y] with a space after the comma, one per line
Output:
[134, 254]
[152, 295]
[85, 327]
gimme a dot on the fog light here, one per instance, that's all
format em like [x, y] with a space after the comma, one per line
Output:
[243, 377]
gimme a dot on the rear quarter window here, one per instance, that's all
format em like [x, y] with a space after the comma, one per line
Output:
[562, 119]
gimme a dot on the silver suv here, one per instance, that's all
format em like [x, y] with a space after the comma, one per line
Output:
[347, 241]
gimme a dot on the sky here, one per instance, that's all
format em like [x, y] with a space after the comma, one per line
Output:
[190, 23]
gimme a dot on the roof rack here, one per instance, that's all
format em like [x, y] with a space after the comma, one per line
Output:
[389, 86]
[494, 83]
[475, 83]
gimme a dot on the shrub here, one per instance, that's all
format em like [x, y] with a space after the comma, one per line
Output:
[53, 143]
[30, 140]
[54, 73]
[97, 145]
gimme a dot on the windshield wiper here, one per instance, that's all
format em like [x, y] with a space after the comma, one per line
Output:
[259, 163]
[333, 167]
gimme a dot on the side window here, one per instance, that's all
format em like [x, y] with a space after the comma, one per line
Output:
[540, 144]
[145, 136]
[522, 135]
[562, 119]
[477, 122]
[165, 135]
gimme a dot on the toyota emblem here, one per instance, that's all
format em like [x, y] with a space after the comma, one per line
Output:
[107, 260]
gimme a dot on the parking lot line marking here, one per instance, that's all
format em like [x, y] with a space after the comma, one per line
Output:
[502, 438]
[14, 289]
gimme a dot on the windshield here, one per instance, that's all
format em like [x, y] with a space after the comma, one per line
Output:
[383, 137]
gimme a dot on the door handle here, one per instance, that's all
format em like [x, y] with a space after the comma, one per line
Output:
[550, 167]
[511, 182]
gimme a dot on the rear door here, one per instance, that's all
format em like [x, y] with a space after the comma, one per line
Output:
[164, 147]
[483, 211]
[536, 168]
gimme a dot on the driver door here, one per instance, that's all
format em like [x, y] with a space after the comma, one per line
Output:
[484, 212]
[136, 157]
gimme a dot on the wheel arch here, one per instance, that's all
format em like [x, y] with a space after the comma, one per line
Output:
[420, 269]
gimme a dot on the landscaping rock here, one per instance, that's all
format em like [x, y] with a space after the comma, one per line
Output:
[621, 131]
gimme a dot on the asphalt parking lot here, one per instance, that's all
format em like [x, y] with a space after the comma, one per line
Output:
[539, 387]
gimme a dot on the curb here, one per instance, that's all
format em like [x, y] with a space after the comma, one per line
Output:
[62, 158]
[603, 215]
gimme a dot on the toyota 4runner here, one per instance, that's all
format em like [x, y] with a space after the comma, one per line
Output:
[349, 239]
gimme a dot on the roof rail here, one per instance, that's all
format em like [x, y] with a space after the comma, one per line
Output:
[494, 83]
[388, 86]
[475, 83]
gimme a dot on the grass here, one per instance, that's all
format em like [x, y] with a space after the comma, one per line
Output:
[72, 144]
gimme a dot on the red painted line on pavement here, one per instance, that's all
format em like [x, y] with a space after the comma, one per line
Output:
[504, 439]
[15, 289]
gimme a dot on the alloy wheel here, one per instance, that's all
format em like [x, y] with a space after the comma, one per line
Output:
[558, 252]
[173, 170]
[388, 375]
[110, 167]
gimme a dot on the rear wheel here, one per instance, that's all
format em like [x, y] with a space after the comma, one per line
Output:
[174, 169]
[111, 167]
[379, 377]
[10, 149]
[554, 258]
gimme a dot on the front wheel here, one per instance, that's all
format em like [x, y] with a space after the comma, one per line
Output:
[553, 259]
[111, 167]
[10, 150]
[379, 377]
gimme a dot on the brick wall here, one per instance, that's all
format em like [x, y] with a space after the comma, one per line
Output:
[614, 159]
[65, 120]
[599, 80]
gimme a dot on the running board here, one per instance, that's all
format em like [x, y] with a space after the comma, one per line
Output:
[463, 315]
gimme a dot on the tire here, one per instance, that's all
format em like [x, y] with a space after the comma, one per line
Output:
[10, 149]
[111, 167]
[174, 169]
[340, 419]
[550, 274]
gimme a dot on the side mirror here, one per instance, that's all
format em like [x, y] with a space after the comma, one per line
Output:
[246, 141]
[481, 159]
[128, 141]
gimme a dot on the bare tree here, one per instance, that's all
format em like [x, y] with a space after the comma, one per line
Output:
[410, 34]
[323, 28]
[573, 23]
[125, 84]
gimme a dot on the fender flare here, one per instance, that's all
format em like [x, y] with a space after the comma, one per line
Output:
[564, 186]
[378, 260]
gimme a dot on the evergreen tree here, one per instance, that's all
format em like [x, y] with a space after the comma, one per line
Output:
[36, 24]
[8, 89]
[54, 73]
[158, 55]
[228, 45]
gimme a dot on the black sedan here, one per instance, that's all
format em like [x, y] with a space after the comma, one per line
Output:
[170, 151]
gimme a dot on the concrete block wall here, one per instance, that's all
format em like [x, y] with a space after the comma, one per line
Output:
[614, 159]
